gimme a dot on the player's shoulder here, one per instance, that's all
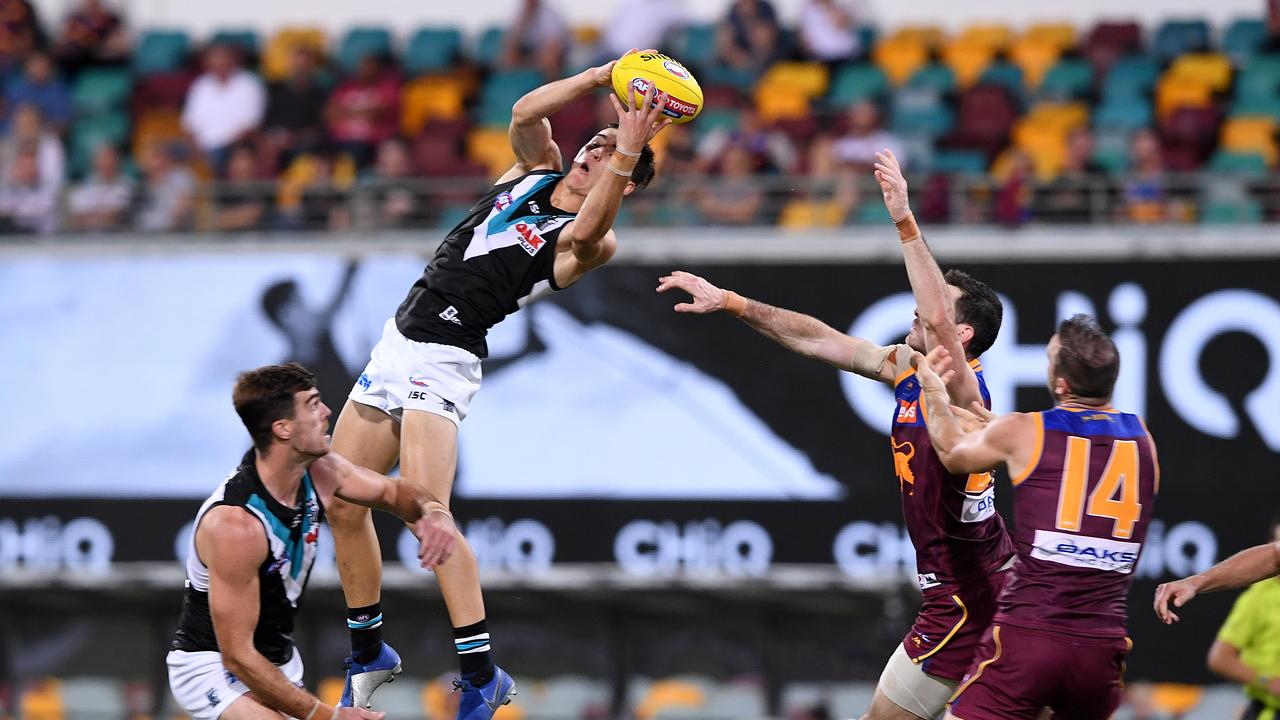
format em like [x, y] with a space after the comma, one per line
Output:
[232, 525]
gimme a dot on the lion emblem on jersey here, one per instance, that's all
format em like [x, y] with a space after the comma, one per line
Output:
[901, 464]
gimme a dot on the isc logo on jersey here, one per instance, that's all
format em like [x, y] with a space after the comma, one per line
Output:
[1086, 552]
[530, 240]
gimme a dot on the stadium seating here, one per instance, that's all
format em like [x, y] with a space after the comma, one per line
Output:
[160, 51]
[432, 49]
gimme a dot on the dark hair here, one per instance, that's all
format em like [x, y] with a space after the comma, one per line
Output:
[265, 395]
[978, 307]
[644, 171]
[1087, 358]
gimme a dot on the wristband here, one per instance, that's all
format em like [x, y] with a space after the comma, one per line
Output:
[734, 304]
[908, 230]
[441, 510]
[312, 713]
[616, 171]
[620, 151]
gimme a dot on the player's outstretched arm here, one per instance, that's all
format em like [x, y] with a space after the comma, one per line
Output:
[1244, 568]
[530, 130]
[963, 445]
[795, 331]
[233, 546]
[590, 234]
[935, 304]
[430, 519]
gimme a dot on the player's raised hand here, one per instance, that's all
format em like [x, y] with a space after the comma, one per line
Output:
[603, 74]
[707, 298]
[971, 420]
[935, 369]
[893, 185]
[437, 536]
[1177, 594]
[641, 120]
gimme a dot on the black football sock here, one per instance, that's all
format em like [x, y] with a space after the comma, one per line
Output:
[472, 644]
[365, 624]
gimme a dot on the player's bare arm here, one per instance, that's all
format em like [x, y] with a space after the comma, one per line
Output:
[934, 298]
[1244, 568]
[430, 519]
[530, 130]
[233, 546]
[962, 445]
[795, 331]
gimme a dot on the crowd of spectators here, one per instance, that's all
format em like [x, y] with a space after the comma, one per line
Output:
[233, 136]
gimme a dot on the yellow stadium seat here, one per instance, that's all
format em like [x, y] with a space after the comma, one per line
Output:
[800, 214]
[1252, 134]
[42, 701]
[1213, 69]
[928, 35]
[808, 77]
[967, 60]
[1173, 92]
[1062, 116]
[430, 98]
[994, 36]
[781, 102]
[275, 56]
[155, 127]
[1035, 56]
[669, 694]
[1176, 699]
[492, 148]
[1060, 35]
[586, 35]
[900, 58]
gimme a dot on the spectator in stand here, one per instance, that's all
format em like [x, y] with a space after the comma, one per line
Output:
[735, 198]
[1069, 197]
[28, 204]
[314, 190]
[678, 155]
[858, 146]
[101, 202]
[828, 32]
[539, 38]
[364, 110]
[295, 108]
[771, 150]
[395, 205]
[242, 200]
[1014, 193]
[1272, 43]
[749, 37]
[40, 87]
[640, 24]
[224, 106]
[20, 32]
[92, 34]
[26, 131]
[1146, 199]
[169, 198]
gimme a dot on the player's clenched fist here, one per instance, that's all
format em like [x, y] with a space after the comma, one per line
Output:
[707, 298]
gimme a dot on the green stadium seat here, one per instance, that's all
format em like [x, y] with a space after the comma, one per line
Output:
[1123, 114]
[1131, 76]
[960, 161]
[1068, 79]
[871, 212]
[360, 42]
[488, 46]
[432, 49]
[1238, 162]
[87, 133]
[245, 39]
[921, 112]
[1257, 107]
[854, 83]
[715, 119]
[160, 51]
[695, 45]
[934, 77]
[740, 78]
[1003, 74]
[98, 89]
[1111, 149]
[1244, 211]
[1178, 37]
[502, 91]
[1242, 40]
[1260, 78]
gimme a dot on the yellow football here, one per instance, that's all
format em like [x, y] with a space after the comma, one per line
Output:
[638, 69]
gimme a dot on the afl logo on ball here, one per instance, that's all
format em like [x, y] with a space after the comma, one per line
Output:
[503, 202]
[676, 69]
[641, 85]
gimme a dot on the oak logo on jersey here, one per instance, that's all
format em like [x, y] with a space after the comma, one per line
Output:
[902, 466]
[530, 240]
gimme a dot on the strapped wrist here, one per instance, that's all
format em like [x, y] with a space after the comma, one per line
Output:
[628, 153]
[908, 230]
[734, 304]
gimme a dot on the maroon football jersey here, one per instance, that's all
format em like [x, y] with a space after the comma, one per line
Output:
[952, 519]
[1081, 511]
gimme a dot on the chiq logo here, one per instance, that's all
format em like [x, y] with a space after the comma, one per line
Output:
[48, 544]
[1011, 364]
[741, 548]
